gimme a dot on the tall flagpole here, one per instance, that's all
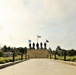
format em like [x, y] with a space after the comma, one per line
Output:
[37, 38]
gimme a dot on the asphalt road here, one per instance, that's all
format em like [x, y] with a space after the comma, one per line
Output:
[39, 67]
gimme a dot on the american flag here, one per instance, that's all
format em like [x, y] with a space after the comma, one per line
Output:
[38, 36]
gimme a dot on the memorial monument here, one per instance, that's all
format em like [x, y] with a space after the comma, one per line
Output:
[37, 50]
[33, 45]
[45, 46]
[29, 45]
[41, 45]
[37, 45]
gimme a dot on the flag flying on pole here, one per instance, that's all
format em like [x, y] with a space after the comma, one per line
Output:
[29, 41]
[38, 36]
[47, 41]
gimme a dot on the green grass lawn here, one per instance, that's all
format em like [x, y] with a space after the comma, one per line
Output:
[9, 59]
[68, 58]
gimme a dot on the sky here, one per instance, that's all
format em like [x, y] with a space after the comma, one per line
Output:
[54, 20]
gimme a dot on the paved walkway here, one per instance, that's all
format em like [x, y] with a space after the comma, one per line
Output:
[39, 67]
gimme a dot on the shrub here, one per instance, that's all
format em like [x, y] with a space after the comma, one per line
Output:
[2, 61]
[68, 59]
[75, 61]
[8, 59]
[72, 59]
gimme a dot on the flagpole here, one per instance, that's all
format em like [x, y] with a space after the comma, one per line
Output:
[37, 38]
[45, 41]
[28, 43]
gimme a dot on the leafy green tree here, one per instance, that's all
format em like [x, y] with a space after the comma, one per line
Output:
[50, 50]
[17, 51]
[62, 52]
[71, 52]
[4, 48]
[58, 50]
[1, 53]
[75, 52]
[25, 50]
[9, 49]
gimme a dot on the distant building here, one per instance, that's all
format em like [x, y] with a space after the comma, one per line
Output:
[7, 54]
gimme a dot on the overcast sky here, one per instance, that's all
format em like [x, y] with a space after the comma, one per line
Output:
[54, 20]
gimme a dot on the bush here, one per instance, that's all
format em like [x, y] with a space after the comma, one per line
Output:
[2, 61]
[70, 52]
[17, 59]
[68, 59]
[75, 61]
[8, 59]
[72, 59]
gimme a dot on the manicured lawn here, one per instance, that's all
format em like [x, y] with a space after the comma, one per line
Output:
[9, 59]
[68, 58]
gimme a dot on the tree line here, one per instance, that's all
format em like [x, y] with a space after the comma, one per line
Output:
[60, 52]
[17, 51]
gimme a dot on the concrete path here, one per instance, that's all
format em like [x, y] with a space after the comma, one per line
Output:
[39, 67]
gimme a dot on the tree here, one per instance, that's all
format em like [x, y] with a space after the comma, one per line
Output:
[17, 51]
[9, 49]
[75, 52]
[4, 49]
[62, 52]
[1, 53]
[58, 50]
[50, 50]
[54, 53]
[71, 52]
[25, 50]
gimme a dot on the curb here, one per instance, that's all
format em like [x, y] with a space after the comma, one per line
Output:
[66, 62]
[11, 63]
